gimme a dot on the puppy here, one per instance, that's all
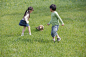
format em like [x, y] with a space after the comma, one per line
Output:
[40, 28]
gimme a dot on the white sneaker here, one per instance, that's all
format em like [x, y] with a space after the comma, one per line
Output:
[22, 34]
[58, 39]
[29, 33]
[53, 39]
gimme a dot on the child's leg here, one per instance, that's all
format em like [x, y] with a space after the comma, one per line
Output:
[29, 30]
[58, 38]
[53, 38]
[23, 31]
[54, 31]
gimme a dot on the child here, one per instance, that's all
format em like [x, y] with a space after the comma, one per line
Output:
[55, 22]
[24, 22]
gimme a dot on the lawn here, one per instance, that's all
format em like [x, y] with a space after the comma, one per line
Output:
[40, 43]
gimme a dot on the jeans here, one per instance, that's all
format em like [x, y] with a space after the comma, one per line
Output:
[54, 30]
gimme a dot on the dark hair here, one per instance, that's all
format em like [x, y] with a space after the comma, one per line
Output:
[27, 11]
[53, 7]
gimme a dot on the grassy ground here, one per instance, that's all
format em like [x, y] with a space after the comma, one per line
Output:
[40, 44]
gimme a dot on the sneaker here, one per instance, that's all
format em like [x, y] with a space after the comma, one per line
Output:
[22, 34]
[29, 33]
[58, 39]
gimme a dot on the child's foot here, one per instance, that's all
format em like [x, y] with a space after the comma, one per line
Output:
[22, 34]
[58, 39]
[54, 40]
[29, 33]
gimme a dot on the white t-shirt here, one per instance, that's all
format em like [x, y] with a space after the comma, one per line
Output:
[26, 17]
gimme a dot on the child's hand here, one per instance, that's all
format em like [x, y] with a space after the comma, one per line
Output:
[62, 24]
[48, 24]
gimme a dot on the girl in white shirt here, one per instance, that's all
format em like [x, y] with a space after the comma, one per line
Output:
[24, 22]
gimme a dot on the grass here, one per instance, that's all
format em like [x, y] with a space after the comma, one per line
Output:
[40, 44]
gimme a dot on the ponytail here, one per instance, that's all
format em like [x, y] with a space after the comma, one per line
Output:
[27, 11]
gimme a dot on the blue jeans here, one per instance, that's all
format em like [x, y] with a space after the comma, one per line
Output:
[54, 30]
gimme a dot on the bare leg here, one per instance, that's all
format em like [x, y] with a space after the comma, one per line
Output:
[29, 30]
[57, 36]
[23, 31]
[54, 39]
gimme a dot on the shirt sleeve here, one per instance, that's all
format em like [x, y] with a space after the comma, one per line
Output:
[57, 15]
[26, 18]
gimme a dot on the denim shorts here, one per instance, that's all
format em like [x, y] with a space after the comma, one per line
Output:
[54, 30]
[23, 23]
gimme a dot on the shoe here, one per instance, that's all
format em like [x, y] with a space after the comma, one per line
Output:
[58, 39]
[54, 40]
[29, 33]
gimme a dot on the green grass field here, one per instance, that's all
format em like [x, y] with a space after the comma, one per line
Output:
[40, 43]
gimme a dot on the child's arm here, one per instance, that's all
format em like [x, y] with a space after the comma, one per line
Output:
[57, 15]
[26, 18]
[49, 23]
